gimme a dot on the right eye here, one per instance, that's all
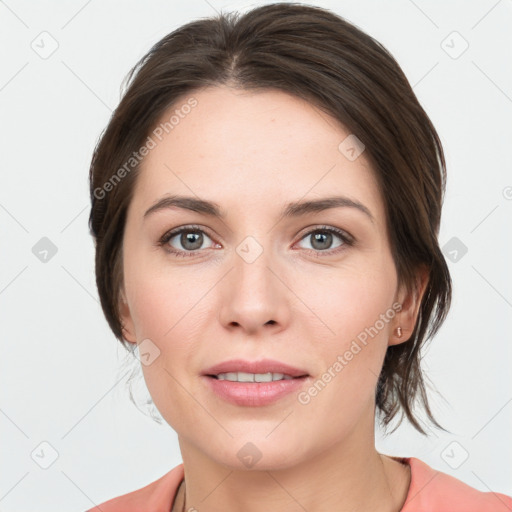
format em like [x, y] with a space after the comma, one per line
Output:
[191, 239]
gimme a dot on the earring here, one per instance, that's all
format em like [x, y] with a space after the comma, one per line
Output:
[399, 332]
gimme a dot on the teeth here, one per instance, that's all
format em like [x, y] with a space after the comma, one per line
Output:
[252, 377]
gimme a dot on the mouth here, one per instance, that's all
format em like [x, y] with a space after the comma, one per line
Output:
[253, 390]
[254, 383]
[265, 370]
[254, 377]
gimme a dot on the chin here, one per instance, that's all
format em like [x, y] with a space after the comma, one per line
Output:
[259, 454]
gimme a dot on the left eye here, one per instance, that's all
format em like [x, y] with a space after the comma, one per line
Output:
[322, 239]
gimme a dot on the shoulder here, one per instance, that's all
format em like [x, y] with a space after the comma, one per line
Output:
[434, 491]
[157, 496]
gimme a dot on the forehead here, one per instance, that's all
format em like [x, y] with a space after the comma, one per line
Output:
[251, 148]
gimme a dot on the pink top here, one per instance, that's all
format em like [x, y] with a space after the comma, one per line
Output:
[430, 491]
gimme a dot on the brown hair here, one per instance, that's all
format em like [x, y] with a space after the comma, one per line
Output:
[316, 55]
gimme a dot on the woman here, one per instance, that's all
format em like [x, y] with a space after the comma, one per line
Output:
[266, 201]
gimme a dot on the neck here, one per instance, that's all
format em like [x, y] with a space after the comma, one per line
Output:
[339, 479]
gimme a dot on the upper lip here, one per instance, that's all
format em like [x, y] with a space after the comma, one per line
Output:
[262, 366]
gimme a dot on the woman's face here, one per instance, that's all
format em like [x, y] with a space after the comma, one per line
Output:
[258, 283]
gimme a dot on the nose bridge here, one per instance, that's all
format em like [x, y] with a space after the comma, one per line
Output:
[255, 295]
[252, 261]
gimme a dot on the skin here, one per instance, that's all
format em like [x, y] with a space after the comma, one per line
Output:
[252, 153]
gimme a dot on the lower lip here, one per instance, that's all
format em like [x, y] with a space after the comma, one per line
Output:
[254, 394]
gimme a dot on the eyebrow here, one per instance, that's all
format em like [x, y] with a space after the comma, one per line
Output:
[294, 209]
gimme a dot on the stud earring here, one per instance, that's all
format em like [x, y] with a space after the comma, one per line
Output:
[399, 332]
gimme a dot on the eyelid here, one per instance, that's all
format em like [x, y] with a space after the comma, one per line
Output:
[344, 235]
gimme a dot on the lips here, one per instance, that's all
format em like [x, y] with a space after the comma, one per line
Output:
[263, 366]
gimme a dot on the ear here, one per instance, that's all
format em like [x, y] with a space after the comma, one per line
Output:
[410, 302]
[125, 316]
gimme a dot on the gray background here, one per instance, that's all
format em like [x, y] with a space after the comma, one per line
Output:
[71, 437]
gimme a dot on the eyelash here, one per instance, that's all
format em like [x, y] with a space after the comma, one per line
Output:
[347, 239]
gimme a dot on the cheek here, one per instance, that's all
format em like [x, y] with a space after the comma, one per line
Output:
[166, 310]
[358, 313]
[169, 308]
[155, 309]
[351, 302]
[161, 297]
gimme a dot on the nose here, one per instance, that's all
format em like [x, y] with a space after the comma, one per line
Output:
[253, 295]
